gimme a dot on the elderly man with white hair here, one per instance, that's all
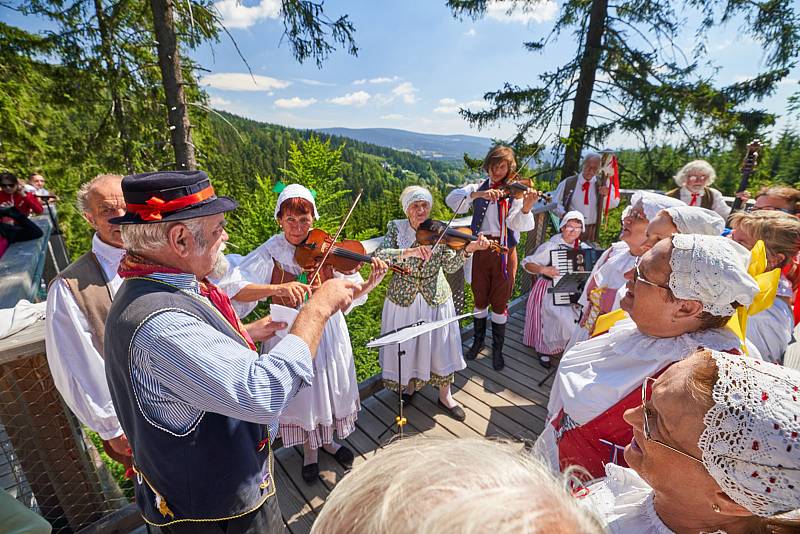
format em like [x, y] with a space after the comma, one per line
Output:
[681, 294]
[583, 192]
[694, 187]
[198, 403]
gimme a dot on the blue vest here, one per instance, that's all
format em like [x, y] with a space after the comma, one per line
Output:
[217, 469]
[479, 207]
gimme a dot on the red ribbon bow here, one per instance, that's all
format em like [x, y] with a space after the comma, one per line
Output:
[153, 209]
[585, 188]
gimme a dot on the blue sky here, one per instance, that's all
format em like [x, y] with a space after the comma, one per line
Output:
[415, 67]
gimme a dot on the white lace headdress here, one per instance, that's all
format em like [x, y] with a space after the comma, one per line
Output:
[713, 270]
[295, 191]
[573, 215]
[696, 220]
[652, 203]
[413, 194]
[751, 443]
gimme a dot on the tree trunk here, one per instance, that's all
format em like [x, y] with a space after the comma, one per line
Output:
[583, 94]
[172, 78]
[113, 84]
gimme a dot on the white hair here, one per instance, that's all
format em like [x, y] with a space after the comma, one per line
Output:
[590, 155]
[698, 165]
[144, 238]
[82, 198]
[466, 485]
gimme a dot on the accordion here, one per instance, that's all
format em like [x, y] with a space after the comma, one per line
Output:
[575, 266]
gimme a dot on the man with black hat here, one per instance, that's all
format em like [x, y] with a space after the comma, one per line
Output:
[198, 403]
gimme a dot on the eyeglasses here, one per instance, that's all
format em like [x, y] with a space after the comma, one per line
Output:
[770, 208]
[646, 426]
[8, 185]
[639, 278]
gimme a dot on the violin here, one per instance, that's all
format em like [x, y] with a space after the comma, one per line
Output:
[430, 232]
[346, 256]
[515, 187]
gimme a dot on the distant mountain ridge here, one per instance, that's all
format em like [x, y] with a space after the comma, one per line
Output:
[429, 146]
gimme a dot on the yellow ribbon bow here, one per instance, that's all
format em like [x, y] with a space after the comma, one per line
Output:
[767, 289]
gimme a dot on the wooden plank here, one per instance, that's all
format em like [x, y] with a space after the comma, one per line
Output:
[473, 426]
[493, 388]
[26, 343]
[421, 421]
[479, 416]
[493, 400]
[297, 514]
[505, 379]
[314, 493]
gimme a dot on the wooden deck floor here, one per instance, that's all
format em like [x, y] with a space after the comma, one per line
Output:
[507, 404]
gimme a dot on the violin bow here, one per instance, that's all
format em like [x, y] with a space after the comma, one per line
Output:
[336, 237]
[449, 223]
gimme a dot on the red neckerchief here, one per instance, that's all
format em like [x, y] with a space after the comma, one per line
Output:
[132, 265]
[585, 188]
[503, 205]
[693, 202]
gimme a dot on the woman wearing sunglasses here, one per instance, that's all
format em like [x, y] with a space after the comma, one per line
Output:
[715, 448]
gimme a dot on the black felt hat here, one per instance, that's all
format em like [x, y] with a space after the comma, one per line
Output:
[155, 197]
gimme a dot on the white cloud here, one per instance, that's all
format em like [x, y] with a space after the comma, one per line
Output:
[450, 105]
[379, 79]
[315, 83]
[217, 101]
[359, 98]
[788, 81]
[392, 117]
[406, 91]
[237, 15]
[541, 11]
[295, 102]
[241, 81]
[470, 32]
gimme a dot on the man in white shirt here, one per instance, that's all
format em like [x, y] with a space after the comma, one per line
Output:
[583, 193]
[77, 303]
[35, 185]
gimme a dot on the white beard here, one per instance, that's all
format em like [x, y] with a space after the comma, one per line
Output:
[220, 267]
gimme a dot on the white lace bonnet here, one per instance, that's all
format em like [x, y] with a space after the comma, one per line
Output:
[573, 215]
[750, 442]
[295, 191]
[696, 220]
[713, 270]
[415, 193]
[652, 203]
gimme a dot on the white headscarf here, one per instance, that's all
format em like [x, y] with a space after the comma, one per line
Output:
[572, 216]
[652, 203]
[750, 442]
[415, 193]
[696, 220]
[713, 270]
[295, 191]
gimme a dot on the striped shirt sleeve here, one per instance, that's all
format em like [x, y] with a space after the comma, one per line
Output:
[183, 362]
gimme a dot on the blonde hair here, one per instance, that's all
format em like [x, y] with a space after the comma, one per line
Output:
[466, 485]
[779, 231]
[498, 154]
[82, 198]
[698, 165]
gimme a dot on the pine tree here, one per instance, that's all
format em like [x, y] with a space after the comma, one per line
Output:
[628, 74]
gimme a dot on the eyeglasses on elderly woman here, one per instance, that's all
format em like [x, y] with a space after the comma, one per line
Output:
[647, 415]
[638, 277]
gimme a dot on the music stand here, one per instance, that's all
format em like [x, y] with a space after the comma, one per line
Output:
[397, 337]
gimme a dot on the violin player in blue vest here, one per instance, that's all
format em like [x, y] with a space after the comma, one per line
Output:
[499, 217]
[198, 403]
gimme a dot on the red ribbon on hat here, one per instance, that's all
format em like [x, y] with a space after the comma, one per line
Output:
[154, 207]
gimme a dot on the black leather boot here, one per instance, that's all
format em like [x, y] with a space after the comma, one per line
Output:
[479, 335]
[498, 339]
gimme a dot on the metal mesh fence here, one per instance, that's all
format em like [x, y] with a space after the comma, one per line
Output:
[47, 462]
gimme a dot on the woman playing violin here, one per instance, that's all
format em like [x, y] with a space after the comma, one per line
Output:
[500, 218]
[329, 405]
[424, 295]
